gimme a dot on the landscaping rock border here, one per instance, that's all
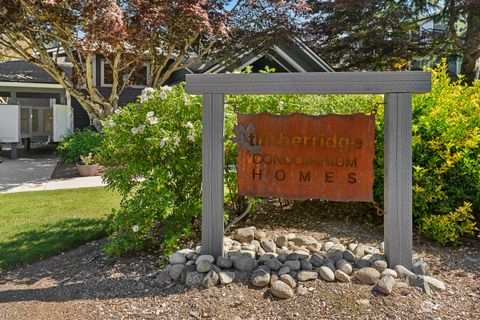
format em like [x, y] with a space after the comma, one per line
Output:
[283, 260]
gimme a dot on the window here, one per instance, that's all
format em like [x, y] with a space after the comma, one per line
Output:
[107, 74]
[48, 121]
[35, 118]
[25, 121]
[138, 78]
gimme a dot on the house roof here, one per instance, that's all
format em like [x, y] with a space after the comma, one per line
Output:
[292, 56]
[22, 71]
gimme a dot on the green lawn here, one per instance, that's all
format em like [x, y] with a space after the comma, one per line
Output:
[37, 225]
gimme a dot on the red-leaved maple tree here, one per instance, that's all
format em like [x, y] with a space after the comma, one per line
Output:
[169, 35]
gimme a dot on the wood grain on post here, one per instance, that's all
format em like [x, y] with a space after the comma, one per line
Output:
[310, 83]
[398, 179]
[212, 174]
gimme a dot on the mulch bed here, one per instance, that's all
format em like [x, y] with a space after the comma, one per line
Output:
[85, 284]
[65, 171]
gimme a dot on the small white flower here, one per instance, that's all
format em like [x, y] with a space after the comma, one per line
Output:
[166, 88]
[138, 129]
[170, 175]
[118, 111]
[150, 117]
[189, 125]
[281, 104]
[176, 141]
[135, 228]
[191, 137]
[146, 94]
[152, 120]
[111, 123]
[163, 96]
[148, 90]
[87, 159]
[163, 142]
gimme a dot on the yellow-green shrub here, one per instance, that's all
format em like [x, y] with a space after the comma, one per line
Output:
[448, 228]
[446, 158]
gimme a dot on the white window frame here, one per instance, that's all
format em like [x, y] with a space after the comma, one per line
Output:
[109, 85]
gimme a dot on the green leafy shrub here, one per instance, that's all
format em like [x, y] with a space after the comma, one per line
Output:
[153, 152]
[79, 143]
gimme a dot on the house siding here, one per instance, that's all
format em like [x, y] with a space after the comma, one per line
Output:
[177, 77]
[98, 67]
[257, 65]
[80, 116]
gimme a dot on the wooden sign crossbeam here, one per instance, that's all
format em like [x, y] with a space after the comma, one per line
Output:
[397, 87]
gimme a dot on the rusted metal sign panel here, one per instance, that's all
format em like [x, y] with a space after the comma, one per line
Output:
[301, 157]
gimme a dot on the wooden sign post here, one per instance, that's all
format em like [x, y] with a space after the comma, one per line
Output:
[397, 87]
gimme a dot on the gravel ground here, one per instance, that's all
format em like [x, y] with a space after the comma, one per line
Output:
[85, 284]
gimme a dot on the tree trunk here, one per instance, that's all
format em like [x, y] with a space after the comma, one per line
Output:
[97, 124]
[96, 110]
[472, 46]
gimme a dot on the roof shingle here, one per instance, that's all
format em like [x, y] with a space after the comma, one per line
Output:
[22, 71]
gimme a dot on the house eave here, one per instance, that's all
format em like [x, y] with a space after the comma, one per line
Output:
[30, 85]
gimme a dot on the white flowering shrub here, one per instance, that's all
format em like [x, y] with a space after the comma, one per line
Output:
[152, 150]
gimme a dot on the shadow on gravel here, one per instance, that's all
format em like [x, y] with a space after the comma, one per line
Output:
[80, 291]
[84, 273]
[93, 277]
[332, 219]
[359, 222]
